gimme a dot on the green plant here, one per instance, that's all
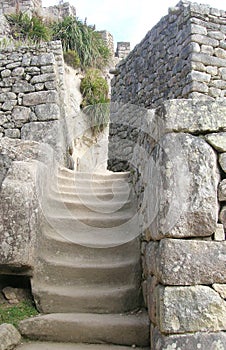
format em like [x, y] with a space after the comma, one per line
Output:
[94, 89]
[78, 36]
[24, 28]
[72, 58]
[16, 313]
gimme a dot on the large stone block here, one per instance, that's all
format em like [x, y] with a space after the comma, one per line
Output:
[193, 116]
[187, 262]
[190, 309]
[47, 111]
[199, 340]
[37, 98]
[18, 217]
[46, 132]
[180, 196]
[9, 336]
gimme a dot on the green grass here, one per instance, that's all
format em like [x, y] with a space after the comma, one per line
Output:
[15, 313]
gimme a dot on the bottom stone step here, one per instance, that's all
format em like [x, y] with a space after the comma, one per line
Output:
[127, 329]
[63, 346]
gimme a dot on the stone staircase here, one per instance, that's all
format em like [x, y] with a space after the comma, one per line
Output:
[87, 278]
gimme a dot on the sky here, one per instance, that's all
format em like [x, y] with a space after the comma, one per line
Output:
[126, 20]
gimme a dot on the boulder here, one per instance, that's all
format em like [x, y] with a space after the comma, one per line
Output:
[222, 191]
[9, 337]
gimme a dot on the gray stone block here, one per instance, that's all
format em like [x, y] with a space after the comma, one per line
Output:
[190, 309]
[222, 161]
[199, 340]
[217, 140]
[187, 262]
[222, 191]
[48, 111]
[36, 98]
[181, 198]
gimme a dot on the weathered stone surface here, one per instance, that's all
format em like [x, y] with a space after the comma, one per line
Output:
[21, 115]
[9, 337]
[37, 98]
[223, 216]
[219, 234]
[183, 179]
[18, 216]
[187, 262]
[45, 132]
[48, 111]
[12, 133]
[190, 309]
[190, 116]
[221, 289]
[217, 140]
[23, 86]
[222, 161]
[42, 78]
[222, 191]
[5, 96]
[199, 340]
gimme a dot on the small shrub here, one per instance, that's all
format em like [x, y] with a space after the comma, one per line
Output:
[72, 59]
[82, 38]
[25, 28]
[94, 89]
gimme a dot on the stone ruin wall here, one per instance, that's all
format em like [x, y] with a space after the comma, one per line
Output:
[176, 153]
[32, 94]
[11, 6]
[183, 56]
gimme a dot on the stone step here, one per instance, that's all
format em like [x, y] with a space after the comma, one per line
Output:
[131, 329]
[92, 181]
[64, 346]
[94, 190]
[81, 272]
[86, 234]
[85, 175]
[55, 245]
[84, 204]
[86, 299]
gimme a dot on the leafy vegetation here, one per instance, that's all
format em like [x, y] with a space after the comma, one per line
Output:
[82, 38]
[25, 28]
[16, 313]
[72, 59]
[95, 90]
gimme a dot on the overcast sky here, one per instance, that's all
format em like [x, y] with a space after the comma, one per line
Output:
[126, 20]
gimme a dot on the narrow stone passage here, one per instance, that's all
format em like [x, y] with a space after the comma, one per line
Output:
[87, 277]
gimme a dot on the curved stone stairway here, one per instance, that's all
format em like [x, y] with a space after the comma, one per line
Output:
[87, 277]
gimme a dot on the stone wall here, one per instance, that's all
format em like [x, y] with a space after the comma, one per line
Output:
[176, 155]
[58, 12]
[32, 95]
[11, 6]
[183, 56]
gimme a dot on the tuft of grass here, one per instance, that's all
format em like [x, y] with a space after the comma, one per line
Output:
[15, 313]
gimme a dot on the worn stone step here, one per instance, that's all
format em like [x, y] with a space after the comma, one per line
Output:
[53, 244]
[92, 181]
[64, 346]
[85, 189]
[131, 329]
[83, 272]
[87, 205]
[86, 299]
[85, 175]
[84, 232]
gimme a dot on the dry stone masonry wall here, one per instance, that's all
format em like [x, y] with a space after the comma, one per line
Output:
[183, 56]
[11, 6]
[32, 94]
[168, 127]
